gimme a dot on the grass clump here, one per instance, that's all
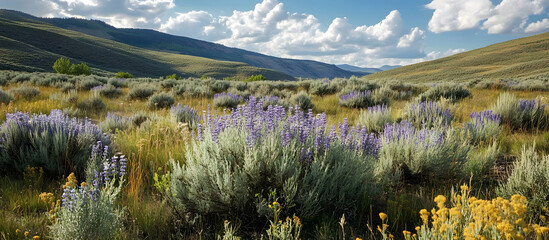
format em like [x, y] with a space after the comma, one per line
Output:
[520, 114]
[5, 97]
[185, 114]
[160, 100]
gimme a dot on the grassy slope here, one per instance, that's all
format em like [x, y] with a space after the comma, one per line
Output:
[521, 58]
[33, 46]
[154, 40]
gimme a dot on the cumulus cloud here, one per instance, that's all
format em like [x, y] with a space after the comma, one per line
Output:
[539, 26]
[505, 17]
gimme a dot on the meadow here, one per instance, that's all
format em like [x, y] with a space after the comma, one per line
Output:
[94, 157]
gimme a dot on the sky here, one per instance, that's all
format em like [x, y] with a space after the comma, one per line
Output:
[364, 33]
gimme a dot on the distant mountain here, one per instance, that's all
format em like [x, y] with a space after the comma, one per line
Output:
[389, 67]
[358, 69]
[27, 43]
[520, 58]
[158, 41]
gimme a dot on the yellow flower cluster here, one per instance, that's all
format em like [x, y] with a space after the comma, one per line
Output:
[470, 218]
[33, 176]
[71, 181]
[26, 234]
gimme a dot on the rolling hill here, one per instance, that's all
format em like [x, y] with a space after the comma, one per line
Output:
[520, 58]
[28, 44]
[158, 41]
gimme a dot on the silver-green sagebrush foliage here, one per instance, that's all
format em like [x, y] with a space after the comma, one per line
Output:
[239, 158]
[520, 114]
[375, 118]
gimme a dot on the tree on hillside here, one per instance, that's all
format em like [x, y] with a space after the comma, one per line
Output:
[80, 69]
[62, 65]
[123, 75]
[173, 76]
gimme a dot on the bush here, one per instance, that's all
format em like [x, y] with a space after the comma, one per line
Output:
[168, 84]
[356, 99]
[140, 92]
[123, 75]
[25, 92]
[226, 100]
[303, 100]
[375, 118]
[55, 142]
[66, 99]
[530, 178]
[255, 78]
[453, 92]
[89, 83]
[260, 153]
[173, 76]
[193, 90]
[118, 82]
[218, 86]
[483, 127]
[92, 104]
[428, 114]
[62, 65]
[184, 114]
[321, 88]
[89, 211]
[139, 118]
[66, 87]
[412, 154]
[520, 114]
[110, 91]
[272, 100]
[5, 98]
[480, 162]
[80, 69]
[114, 122]
[160, 100]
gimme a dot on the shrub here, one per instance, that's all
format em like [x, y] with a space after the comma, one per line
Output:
[118, 82]
[412, 154]
[480, 162]
[110, 91]
[272, 100]
[25, 92]
[255, 78]
[259, 152]
[219, 86]
[193, 90]
[89, 211]
[226, 100]
[520, 114]
[114, 122]
[321, 88]
[88, 84]
[168, 84]
[453, 92]
[140, 92]
[356, 99]
[123, 75]
[375, 118]
[92, 104]
[240, 86]
[139, 118]
[302, 100]
[530, 178]
[173, 76]
[67, 99]
[62, 65]
[483, 127]
[184, 114]
[66, 87]
[5, 98]
[428, 114]
[80, 69]
[55, 142]
[160, 100]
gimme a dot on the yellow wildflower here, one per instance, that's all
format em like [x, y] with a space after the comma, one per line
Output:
[36, 237]
[17, 231]
[464, 188]
[26, 233]
[383, 216]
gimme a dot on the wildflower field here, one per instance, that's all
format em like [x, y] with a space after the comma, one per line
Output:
[93, 157]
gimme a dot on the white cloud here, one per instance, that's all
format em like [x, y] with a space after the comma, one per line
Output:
[507, 16]
[538, 26]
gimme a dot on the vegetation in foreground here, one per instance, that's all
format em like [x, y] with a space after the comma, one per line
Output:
[205, 159]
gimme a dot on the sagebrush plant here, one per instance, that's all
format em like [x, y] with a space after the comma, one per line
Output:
[529, 177]
[185, 114]
[467, 217]
[322, 87]
[453, 92]
[193, 89]
[5, 98]
[118, 82]
[114, 122]
[92, 104]
[88, 210]
[88, 83]
[272, 100]
[226, 100]
[520, 114]
[480, 162]
[140, 92]
[302, 99]
[428, 114]
[160, 100]
[375, 118]
[258, 151]
[139, 118]
[484, 127]
[24, 92]
[55, 142]
[356, 99]
[408, 153]
[110, 91]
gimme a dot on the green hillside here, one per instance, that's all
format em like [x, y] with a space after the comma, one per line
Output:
[30, 45]
[520, 58]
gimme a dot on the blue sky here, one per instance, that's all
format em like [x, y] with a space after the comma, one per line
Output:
[366, 33]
